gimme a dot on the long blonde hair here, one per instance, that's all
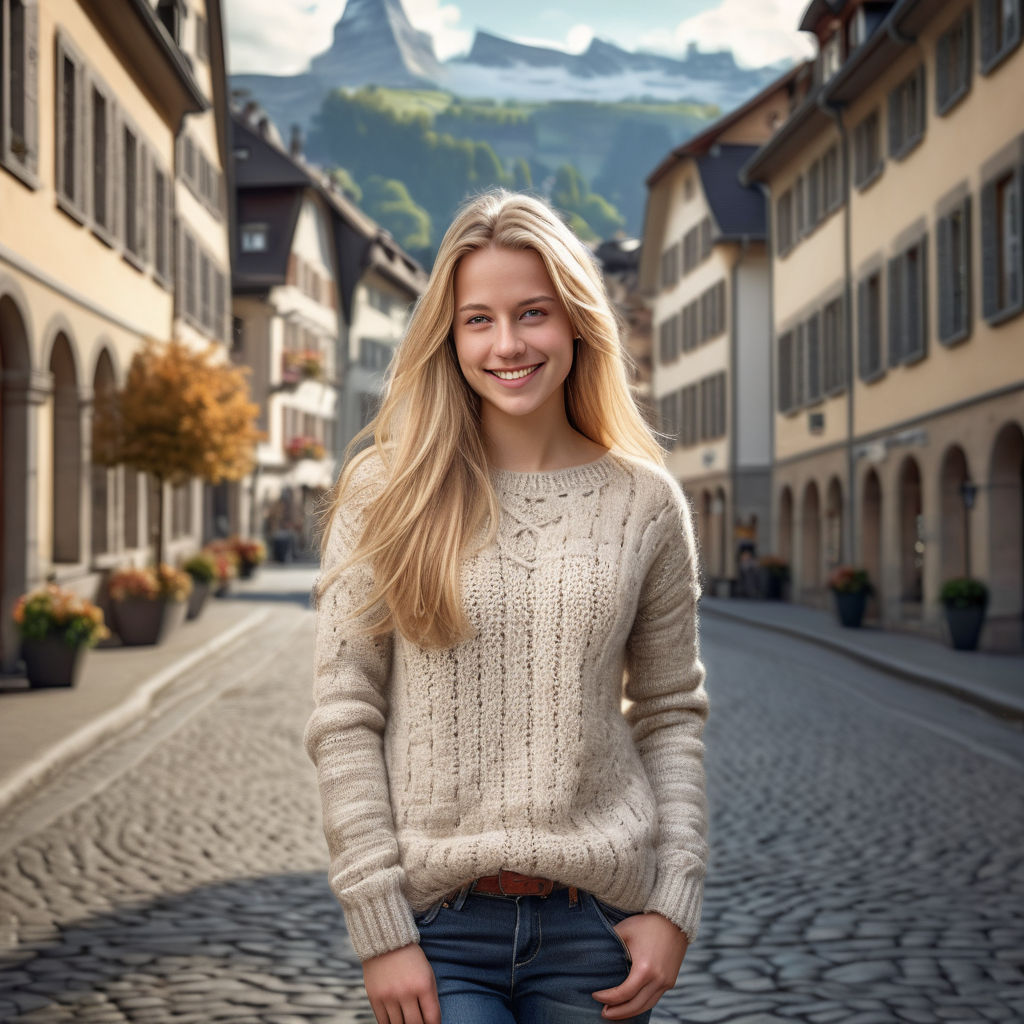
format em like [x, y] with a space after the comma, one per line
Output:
[437, 493]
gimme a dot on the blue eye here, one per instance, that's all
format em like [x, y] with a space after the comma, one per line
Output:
[479, 318]
[539, 312]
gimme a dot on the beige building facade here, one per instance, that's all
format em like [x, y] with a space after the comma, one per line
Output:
[705, 270]
[899, 310]
[95, 95]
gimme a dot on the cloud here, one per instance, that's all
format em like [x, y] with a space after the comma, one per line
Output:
[576, 40]
[281, 36]
[758, 34]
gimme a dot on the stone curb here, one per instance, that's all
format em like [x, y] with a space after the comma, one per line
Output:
[992, 702]
[117, 718]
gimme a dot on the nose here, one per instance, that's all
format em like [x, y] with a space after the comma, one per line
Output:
[507, 342]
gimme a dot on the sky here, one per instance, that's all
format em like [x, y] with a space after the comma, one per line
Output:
[280, 36]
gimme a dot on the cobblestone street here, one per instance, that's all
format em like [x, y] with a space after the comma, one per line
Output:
[867, 854]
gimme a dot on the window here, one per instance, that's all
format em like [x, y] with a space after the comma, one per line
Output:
[191, 269]
[906, 114]
[1000, 31]
[832, 183]
[219, 305]
[161, 226]
[19, 87]
[705, 238]
[800, 365]
[953, 64]
[70, 136]
[102, 158]
[670, 266]
[784, 223]
[254, 238]
[169, 13]
[814, 209]
[690, 244]
[800, 207]
[812, 333]
[907, 305]
[831, 57]
[129, 182]
[869, 327]
[202, 43]
[867, 150]
[205, 312]
[1001, 231]
[785, 383]
[954, 273]
[833, 347]
[689, 413]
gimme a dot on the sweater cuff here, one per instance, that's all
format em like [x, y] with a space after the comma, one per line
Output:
[379, 918]
[680, 899]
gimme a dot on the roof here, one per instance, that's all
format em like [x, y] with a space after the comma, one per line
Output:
[737, 209]
[818, 9]
[704, 140]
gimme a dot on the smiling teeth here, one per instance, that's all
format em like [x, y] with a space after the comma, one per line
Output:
[514, 374]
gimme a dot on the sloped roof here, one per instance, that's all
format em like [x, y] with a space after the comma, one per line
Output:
[738, 209]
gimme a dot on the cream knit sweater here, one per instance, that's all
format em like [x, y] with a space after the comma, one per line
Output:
[512, 749]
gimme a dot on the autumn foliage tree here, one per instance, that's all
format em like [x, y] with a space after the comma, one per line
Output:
[181, 414]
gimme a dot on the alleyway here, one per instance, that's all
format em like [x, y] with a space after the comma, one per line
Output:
[868, 854]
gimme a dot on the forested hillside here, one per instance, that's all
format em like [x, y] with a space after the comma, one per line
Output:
[410, 157]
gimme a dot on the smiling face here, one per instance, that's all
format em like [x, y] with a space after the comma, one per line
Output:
[512, 335]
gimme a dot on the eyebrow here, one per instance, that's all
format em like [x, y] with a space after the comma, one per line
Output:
[525, 302]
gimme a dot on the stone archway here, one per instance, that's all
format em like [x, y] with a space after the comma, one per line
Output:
[834, 524]
[20, 390]
[954, 517]
[784, 545]
[810, 542]
[871, 530]
[1006, 538]
[911, 536]
[66, 435]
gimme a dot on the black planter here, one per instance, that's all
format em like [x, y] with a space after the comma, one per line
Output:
[773, 585]
[965, 625]
[246, 570]
[850, 608]
[140, 621]
[51, 662]
[196, 600]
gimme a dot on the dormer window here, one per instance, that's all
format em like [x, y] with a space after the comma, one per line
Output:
[254, 238]
[171, 14]
[831, 57]
[857, 29]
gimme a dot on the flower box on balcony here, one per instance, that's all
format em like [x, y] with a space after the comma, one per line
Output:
[304, 448]
[301, 364]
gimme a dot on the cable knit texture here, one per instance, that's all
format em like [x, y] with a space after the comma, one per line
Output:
[516, 748]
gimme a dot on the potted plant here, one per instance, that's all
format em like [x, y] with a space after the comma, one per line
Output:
[250, 553]
[148, 604]
[225, 565]
[851, 587]
[964, 600]
[774, 576]
[202, 567]
[56, 627]
[305, 448]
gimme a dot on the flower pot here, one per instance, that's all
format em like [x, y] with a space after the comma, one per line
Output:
[196, 600]
[850, 607]
[246, 570]
[50, 661]
[222, 588]
[140, 621]
[965, 625]
[772, 585]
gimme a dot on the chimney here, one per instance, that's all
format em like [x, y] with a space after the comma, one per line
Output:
[295, 146]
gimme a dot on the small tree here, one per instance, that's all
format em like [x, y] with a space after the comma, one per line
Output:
[180, 414]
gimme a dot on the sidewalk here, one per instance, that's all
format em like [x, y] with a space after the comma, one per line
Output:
[43, 730]
[994, 682]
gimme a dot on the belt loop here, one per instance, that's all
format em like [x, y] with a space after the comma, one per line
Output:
[461, 896]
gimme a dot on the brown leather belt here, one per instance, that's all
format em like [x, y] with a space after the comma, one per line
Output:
[511, 883]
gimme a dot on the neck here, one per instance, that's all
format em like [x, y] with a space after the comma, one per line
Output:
[542, 441]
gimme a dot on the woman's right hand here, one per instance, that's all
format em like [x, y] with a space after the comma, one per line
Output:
[402, 987]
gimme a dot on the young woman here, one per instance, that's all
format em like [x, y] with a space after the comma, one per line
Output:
[516, 834]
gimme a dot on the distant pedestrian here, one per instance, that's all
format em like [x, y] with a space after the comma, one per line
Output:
[509, 559]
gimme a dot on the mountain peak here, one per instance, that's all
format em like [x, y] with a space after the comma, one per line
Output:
[374, 39]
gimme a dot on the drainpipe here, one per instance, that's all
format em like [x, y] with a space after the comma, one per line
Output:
[834, 110]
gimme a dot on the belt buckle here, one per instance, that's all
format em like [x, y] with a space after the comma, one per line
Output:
[523, 885]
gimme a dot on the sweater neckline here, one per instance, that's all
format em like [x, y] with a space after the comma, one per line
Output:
[553, 480]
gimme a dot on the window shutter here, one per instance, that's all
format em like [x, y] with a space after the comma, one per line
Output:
[30, 86]
[947, 274]
[117, 189]
[916, 346]
[943, 66]
[968, 268]
[989, 252]
[814, 358]
[863, 331]
[142, 205]
[721, 307]
[178, 273]
[799, 365]
[987, 13]
[895, 120]
[965, 59]
[1011, 27]
[895, 312]
[920, 111]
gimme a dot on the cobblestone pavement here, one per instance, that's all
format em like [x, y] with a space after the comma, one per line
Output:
[866, 867]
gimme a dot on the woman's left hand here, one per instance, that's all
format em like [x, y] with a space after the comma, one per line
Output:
[656, 947]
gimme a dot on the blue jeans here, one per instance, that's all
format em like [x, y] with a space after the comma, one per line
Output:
[524, 959]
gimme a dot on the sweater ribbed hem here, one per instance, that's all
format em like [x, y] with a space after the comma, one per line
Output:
[379, 920]
[553, 480]
[680, 899]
